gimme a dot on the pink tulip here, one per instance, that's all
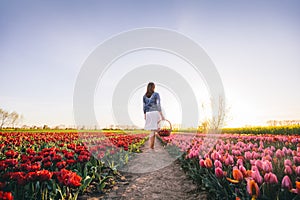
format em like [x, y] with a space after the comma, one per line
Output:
[217, 163]
[226, 147]
[219, 172]
[288, 170]
[229, 160]
[267, 157]
[259, 164]
[243, 170]
[248, 155]
[238, 152]
[201, 163]
[296, 160]
[257, 177]
[284, 150]
[267, 177]
[254, 168]
[286, 182]
[252, 162]
[297, 171]
[193, 153]
[255, 155]
[270, 178]
[279, 154]
[215, 155]
[240, 162]
[268, 152]
[261, 144]
[290, 152]
[217, 147]
[273, 178]
[267, 166]
[273, 148]
[288, 162]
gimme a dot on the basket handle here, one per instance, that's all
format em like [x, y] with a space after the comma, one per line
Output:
[167, 121]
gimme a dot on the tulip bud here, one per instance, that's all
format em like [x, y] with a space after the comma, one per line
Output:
[219, 172]
[286, 182]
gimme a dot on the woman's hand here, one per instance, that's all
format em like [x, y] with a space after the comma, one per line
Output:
[145, 116]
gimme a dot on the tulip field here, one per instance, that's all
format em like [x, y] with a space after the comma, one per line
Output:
[240, 166]
[64, 165]
[59, 165]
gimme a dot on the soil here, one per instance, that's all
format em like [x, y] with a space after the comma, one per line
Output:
[153, 174]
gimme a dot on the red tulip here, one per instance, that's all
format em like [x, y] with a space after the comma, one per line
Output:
[74, 180]
[24, 166]
[69, 155]
[19, 177]
[47, 164]
[6, 195]
[44, 175]
[30, 152]
[31, 176]
[61, 164]
[71, 162]
[2, 185]
[3, 165]
[68, 178]
[11, 162]
[34, 167]
[56, 158]
[37, 158]
[83, 158]
[11, 154]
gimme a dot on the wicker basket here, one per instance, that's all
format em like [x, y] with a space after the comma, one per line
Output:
[164, 128]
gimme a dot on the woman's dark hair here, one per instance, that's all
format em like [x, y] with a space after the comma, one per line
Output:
[150, 89]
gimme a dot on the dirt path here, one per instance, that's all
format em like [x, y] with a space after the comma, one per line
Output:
[157, 176]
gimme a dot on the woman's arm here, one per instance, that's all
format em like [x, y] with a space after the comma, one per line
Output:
[144, 107]
[159, 106]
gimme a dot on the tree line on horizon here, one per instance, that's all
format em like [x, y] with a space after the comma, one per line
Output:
[9, 118]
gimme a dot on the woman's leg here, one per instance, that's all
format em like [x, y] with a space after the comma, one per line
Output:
[152, 139]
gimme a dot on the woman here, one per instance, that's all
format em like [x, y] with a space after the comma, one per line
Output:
[152, 111]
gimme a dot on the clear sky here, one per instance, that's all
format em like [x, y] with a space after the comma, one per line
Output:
[255, 46]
